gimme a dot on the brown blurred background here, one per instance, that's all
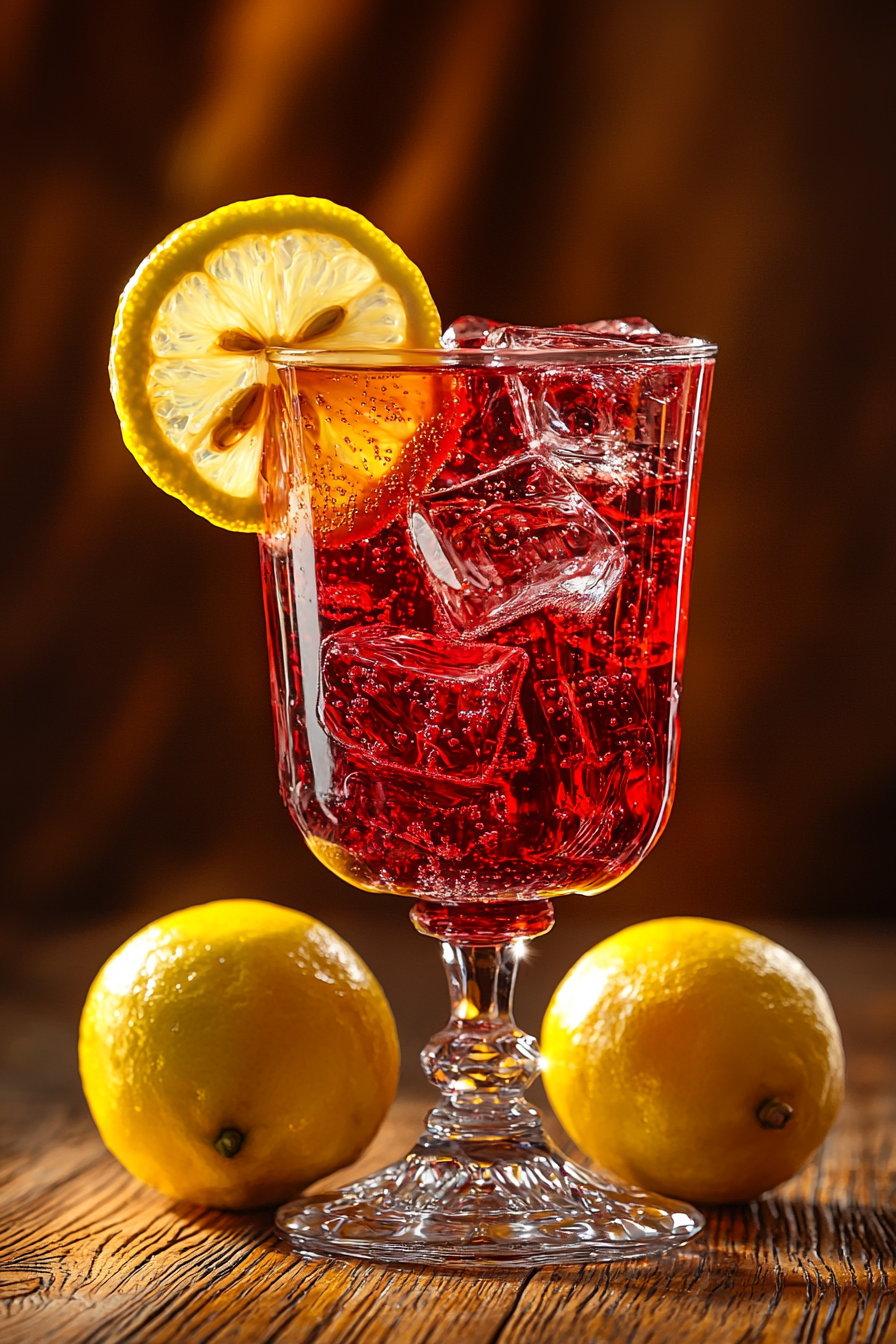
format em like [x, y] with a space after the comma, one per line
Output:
[719, 167]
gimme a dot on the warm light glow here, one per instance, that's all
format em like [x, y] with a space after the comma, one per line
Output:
[578, 994]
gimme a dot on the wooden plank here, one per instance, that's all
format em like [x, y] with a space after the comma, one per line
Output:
[815, 1262]
[90, 1255]
[97, 1256]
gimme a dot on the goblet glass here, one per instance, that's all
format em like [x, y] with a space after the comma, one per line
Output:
[476, 585]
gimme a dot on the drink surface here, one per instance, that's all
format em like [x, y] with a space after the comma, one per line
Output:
[476, 682]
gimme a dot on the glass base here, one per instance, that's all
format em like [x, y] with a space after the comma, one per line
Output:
[512, 1201]
[484, 1186]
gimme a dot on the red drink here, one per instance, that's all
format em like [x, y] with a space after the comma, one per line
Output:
[476, 691]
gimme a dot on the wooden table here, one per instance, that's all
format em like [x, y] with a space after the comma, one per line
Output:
[87, 1254]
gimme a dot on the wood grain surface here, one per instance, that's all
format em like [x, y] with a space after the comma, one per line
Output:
[90, 1256]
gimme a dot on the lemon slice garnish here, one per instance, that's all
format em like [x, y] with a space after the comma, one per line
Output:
[190, 377]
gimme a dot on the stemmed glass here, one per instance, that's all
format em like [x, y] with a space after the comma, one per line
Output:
[476, 585]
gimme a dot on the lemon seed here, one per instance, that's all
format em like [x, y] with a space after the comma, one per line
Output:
[238, 342]
[242, 417]
[322, 324]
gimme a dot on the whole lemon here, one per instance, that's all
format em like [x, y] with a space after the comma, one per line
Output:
[694, 1058]
[235, 1052]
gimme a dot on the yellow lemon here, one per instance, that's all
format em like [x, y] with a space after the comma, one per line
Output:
[235, 1052]
[191, 381]
[694, 1058]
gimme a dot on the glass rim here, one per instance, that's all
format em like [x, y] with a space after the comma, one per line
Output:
[387, 356]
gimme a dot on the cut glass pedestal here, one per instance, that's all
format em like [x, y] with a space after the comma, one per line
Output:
[484, 1185]
[512, 1202]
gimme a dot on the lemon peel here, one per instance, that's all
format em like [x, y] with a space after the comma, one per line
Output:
[234, 1052]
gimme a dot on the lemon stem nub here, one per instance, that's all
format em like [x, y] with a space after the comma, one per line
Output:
[229, 1142]
[323, 323]
[773, 1113]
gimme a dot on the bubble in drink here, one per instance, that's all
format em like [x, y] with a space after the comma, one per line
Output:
[513, 541]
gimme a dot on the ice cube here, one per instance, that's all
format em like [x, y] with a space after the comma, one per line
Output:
[565, 729]
[601, 730]
[551, 338]
[637, 330]
[438, 816]
[608, 333]
[606, 418]
[596, 715]
[513, 541]
[467, 333]
[631, 327]
[573, 408]
[419, 703]
[609, 420]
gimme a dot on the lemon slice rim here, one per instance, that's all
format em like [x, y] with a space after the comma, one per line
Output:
[184, 251]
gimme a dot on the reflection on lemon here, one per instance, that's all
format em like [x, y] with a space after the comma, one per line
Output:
[693, 1057]
[234, 1052]
[190, 376]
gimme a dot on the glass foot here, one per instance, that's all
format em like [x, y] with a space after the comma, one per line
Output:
[484, 1186]
[492, 1202]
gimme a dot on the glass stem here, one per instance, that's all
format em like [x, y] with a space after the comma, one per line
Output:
[481, 1061]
